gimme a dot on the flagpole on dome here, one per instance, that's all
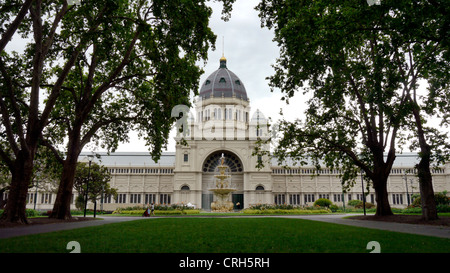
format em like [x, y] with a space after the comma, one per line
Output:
[223, 60]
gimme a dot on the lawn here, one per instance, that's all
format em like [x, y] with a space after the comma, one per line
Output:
[224, 235]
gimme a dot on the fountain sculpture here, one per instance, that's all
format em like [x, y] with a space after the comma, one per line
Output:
[223, 189]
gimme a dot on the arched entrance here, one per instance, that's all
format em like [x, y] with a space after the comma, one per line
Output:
[237, 182]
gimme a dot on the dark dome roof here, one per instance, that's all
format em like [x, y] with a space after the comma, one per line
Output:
[223, 82]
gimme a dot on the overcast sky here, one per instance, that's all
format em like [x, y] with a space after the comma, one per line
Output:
[250, 52]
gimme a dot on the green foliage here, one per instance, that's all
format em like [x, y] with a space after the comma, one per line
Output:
[92, 72]
[441, 199]
[358, 204]
[286, 211]
[354, 202]
[171, 209]
[323, 202]
[272, 206]
[98, 178]
[158, 212]
[359, 65]
[79, 202]
[334, 208]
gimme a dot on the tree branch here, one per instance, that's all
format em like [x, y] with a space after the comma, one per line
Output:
[15, 24]
[87, 137]
[55, 152]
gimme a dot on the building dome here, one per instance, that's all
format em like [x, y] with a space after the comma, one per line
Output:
[223, 83]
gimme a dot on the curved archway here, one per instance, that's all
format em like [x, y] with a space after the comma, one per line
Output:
[231, 160]
[259, 188]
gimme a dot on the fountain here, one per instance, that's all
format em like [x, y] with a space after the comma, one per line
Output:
[223, 189]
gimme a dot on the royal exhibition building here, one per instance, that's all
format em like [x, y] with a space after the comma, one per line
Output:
[187, 175]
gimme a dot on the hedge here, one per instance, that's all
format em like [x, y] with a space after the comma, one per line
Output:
[160, 212]
[285, 211]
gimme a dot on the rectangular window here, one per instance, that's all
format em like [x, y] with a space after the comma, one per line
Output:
[337, 197]
[397, 199]
[325, 196]
[186, 158]
[150, 198]
[309, 198]
[46, 198]
[359, 196]
[409, 197]
[294, 199]
[280, 199]
[135, 198]
[164, 199]
[30, 198]
[107, 199]
[121, 198]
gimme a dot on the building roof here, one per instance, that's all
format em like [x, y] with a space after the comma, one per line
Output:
[223, 82]
[130, 159]
[401, 160]
[143, 159]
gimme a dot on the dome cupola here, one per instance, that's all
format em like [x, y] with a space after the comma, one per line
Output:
[223, 83]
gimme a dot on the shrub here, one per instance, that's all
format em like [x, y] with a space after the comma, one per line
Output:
[368, 205]
[271, 206]
[442, 208]
[322, 202]
[354, 203]
[334, 208]
[441, 198]
[285, 211]
[31, 213]
[157, 212]
[79, 202]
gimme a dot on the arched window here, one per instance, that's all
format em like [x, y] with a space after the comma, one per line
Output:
[185, 188]
[260, 188]
[231, 160]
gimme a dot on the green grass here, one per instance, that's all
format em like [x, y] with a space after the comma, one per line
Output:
[224, 235]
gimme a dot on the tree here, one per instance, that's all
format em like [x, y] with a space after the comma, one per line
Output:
[98, 178]
[356, 62]
[76, 56]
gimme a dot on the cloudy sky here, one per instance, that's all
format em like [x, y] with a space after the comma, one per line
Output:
[250, 52]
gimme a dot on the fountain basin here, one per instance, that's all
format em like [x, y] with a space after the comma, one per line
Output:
[222, 191]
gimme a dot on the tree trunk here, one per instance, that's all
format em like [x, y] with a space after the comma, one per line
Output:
[429, 211]
[17, 197]
[61, 208]
[381, 196]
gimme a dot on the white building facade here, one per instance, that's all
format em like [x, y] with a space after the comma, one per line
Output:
[222, 123]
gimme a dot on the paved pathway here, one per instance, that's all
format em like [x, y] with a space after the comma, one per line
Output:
[428, 230]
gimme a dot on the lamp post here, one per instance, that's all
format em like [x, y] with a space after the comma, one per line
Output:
[406, 185]
[363, 196]
[87, 184]
[101, 199]
[35, 193]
